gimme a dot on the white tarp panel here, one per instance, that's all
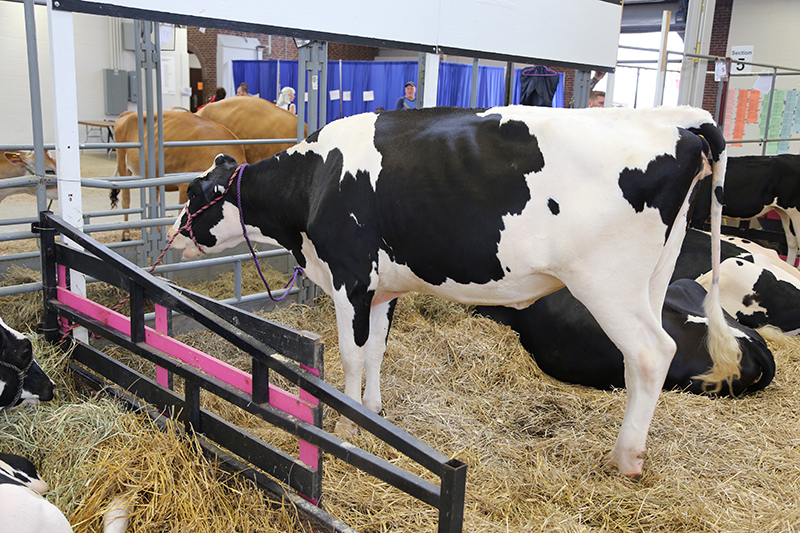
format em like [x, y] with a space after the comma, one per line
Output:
[582, 32]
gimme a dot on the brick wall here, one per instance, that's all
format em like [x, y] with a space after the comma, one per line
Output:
[718, 46]
[204, 46]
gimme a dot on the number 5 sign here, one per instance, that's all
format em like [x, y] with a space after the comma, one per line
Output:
[741, 56]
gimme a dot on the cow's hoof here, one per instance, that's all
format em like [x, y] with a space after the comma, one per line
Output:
[345, 428]
[630, 467]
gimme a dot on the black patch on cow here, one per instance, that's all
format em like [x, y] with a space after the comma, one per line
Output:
[466, 172]
[779, 299]
[719, 194]
[712, 139]
[666, 180]
[695, 257]
[21, 473]
[554, 207]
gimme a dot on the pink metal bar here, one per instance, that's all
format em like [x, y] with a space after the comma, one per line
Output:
[162, 326]
[192, 356]
[301, 406]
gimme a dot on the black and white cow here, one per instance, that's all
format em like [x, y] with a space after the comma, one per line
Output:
[23, 509]
[22, 380]
[757, 287]
[494, 207]
[568, 344]
[755, 185]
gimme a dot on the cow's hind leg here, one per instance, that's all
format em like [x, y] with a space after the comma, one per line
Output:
[380, 319]
[648, 351]
[789, 224]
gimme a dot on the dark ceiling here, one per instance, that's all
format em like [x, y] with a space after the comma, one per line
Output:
[640, 16]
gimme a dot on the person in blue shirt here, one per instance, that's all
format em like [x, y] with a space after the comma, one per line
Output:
[409, 101]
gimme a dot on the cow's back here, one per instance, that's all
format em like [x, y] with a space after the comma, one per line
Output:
[249, 117]
[178, 126]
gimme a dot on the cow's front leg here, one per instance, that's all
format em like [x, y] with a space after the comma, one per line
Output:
[353, 325]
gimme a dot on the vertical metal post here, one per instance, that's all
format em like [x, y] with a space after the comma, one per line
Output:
[580, 91]
[769, 110]
[68, 158]
[47, 238]
[420, 79]
[451, 497]
[509, 93]
[302, 57]
[430, 82]
[661, 79]
[323, 83]
[473, 97]
[36, 105]
[137, 311]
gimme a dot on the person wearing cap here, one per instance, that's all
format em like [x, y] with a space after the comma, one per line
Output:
[409, 101]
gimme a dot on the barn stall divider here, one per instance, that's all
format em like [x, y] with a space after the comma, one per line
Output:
[296, 356]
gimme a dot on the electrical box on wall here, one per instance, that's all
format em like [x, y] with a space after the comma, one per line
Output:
[133, 87]
[115, 90]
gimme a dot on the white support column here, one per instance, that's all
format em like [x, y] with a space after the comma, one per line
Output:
[699, 20]
[65, 98]
[431, 82]
[662, 59]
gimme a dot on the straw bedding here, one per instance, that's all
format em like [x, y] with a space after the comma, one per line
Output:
[535, 447]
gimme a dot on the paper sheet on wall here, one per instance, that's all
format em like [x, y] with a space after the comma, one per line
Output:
[775, 113]
[741, 112]
[787, 120]
[168, 75]
[752, 107]
[730, 108]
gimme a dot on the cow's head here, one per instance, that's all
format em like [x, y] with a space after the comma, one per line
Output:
[211, 211]
[22, 380]
[26, 160]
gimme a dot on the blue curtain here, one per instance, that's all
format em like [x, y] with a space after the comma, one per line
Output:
[261, 77]
[364, 86]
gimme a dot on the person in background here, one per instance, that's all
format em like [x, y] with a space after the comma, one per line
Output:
[409, 100]
[218, 95]
[597, 99]
[242, 90]
[285, 99]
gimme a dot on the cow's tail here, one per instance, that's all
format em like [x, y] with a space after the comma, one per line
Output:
[722, 344]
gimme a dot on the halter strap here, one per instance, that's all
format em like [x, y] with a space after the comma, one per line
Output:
[237, 175]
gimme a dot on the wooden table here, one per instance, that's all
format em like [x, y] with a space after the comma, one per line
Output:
[99, 124]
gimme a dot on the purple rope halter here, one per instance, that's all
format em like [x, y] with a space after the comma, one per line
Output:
[297, 270]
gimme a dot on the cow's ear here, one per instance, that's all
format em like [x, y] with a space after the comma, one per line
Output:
[222, 159]
[211, 190]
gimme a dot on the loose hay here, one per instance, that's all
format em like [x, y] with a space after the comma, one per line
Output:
[535, 447]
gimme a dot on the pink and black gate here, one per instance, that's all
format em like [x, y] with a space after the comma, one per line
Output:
[296, 356]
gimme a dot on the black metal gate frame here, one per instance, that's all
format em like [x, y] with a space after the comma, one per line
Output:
[272, 347]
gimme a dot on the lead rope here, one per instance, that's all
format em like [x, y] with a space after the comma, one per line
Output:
[237, 174]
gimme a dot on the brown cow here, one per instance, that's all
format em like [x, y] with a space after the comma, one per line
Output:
[249, 117]
[16, 164]
[178, 126]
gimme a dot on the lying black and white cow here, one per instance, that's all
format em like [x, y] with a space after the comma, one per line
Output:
[568, 344]
[755, 185]
[495, 207]
[23, 509]
[757, 287]
[22, 380]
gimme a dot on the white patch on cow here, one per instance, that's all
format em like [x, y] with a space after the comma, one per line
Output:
[355, 218]
[2, 387]
[15, 333]
[316, 269]
[694, 319]
[358, 153]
